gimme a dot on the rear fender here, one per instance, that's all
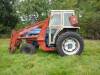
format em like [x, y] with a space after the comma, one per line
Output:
[63, 31]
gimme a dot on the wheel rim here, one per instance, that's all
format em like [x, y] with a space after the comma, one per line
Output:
[70, 46]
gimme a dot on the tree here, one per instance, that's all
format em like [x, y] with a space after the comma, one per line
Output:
[37, 8]
[89, 22]
[8, 19]
[63, 4]
[88, 9]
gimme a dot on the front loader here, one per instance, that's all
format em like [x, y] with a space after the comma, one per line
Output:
[59, 32]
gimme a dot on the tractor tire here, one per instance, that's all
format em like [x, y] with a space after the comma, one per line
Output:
[69, 43]
[28, 48]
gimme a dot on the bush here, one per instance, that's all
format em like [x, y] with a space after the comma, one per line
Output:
[90, 26]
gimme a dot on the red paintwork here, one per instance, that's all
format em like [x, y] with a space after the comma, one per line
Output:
[17, 36]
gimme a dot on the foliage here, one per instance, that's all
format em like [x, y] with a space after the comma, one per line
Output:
[90, 21]
[63, 4]
[37, 8]
[90, 26]
[8, 17]
[88, 9]
[32, 10]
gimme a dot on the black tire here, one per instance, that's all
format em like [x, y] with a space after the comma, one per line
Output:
[28, 48]
[66, 35]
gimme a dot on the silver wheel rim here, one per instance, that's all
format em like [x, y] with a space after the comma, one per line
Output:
[70, 46]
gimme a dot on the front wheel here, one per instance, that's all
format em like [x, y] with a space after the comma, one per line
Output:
[28, 48]
[69, 43]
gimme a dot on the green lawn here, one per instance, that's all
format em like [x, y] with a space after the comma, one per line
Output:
[43, 63]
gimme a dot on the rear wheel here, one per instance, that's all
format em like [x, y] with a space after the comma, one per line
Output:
[69, 43]
[28, 48]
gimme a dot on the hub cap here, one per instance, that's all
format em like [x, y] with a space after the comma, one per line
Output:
[70, 46]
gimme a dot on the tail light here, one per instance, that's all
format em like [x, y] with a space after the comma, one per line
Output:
[73, 21]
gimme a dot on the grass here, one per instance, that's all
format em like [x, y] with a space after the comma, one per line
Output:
[43, 63]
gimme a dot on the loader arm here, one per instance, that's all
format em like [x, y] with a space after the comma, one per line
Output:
[17, 36]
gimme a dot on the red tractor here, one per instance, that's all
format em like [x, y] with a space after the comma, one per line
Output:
[58, 32]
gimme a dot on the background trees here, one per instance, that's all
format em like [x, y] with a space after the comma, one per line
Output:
[8, 18]
[32, 10]
[90, 20]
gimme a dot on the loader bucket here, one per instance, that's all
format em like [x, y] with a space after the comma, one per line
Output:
[13, 41]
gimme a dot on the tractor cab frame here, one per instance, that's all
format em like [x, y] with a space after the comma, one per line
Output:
[60, 23]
